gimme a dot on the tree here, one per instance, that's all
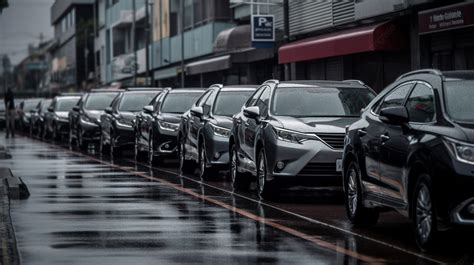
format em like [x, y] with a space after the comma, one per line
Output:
[3, 4]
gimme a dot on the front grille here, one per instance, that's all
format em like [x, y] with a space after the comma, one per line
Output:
[336, 141]
[319, 169]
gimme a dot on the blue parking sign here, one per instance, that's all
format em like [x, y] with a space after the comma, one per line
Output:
[263, 28]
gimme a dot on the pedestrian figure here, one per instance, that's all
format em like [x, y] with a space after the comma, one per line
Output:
[10, 113]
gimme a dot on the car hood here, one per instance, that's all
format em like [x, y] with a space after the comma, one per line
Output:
[468, 130]
[94, 114]
[62, 114]
[128, 116]
[224, 121]
[316, 124]
[171, 117]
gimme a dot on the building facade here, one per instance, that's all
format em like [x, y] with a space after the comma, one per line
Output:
[72, 64]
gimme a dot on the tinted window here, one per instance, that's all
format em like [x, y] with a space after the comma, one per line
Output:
[459, 96]
[203, 98]
[395, 97]
[206, 108]
[316, 101]
[420, 104]
[100, 101]
[179, 102]
[230, 102]
[263, 101]
[66, 104]
[254, 97]
[134, 102]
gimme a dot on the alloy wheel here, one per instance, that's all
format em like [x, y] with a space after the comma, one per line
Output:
[262, 175]
[233, 166]
[202, 161]
[352, 191]
[424, 213]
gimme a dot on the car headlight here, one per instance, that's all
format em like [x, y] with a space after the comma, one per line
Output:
[292, 136]
[463, 152]
[220, 131]
[88, 121]
[168, 126]
[123, 124]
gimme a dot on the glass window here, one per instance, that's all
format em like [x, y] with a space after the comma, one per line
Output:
[66, 104]
[206, 108]
[45, 105]
[229, 103]
[134, 102]
[251, 101]
[420, 104]
[395, 97]
[188, 13]
[459, 95]
[320, 102]
[203, 98]
[99, 101]
[178, 103]
[30, 104]
[263, 101]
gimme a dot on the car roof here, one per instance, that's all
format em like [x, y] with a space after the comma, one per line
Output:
[240, 88]
[187, 90]
[99, 90]
[145, 89]
[456, 75]
[68, 97]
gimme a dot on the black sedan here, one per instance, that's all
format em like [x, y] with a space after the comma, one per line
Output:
[84, 119]
[56, 123]
[205, 132]
[37, 117]
[157, 127]
[116, 123]
[413, 151]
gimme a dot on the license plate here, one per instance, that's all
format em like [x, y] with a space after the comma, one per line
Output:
[339, 165]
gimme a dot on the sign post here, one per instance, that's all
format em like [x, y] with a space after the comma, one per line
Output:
[263, 31]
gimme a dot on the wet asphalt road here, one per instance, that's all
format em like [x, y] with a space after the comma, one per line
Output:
[88, 209]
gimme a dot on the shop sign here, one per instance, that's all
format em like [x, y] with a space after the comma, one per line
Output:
[263, 30]
[446, 18]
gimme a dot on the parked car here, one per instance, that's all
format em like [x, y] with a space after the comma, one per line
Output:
[413, 151]
[117, 131]
[84, 119]
[157, 128]
[292, 133]
[56, 122]
[204, 134]
[24, 113]
[2, 114]
[37, 117]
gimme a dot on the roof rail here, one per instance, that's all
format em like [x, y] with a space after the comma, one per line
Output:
[143, 88]
[106, 90]
[421, 71]
[217, 85]
[276, 81]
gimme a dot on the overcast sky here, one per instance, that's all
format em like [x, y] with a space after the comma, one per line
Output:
[21, 23]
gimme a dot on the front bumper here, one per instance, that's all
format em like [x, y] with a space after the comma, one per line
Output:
[311, 163]
[62, 126]
[218, 151]
[166, 143]
[460, 197]
[125, 137]
[90, 131]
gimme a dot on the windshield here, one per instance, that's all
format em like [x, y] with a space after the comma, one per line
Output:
[178, 103]
[230, 102]
[29, 105]
[459, 95]
[99, 101]
[320, 102]
[66, 104]
[134, 102]
[45, 105]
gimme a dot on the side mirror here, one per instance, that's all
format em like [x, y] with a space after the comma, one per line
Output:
[50, 109]
[252, 112]
[197, 111]
[75, 108]
[395, 115]
[148, 109]
[108, 110]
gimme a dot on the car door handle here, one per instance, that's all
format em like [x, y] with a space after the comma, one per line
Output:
[384, 137]
[361, 132]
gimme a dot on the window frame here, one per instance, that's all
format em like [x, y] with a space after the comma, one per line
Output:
[375, 110]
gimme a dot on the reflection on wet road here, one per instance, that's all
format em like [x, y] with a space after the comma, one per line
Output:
[88, 210]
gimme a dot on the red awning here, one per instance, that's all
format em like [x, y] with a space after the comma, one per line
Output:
[380, 37]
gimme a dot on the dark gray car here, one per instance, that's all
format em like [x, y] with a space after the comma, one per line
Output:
[292, 133]
[205, 136]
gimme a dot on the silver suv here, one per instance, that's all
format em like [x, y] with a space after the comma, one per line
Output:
[293, 133]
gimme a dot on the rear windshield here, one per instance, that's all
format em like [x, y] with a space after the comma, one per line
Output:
[459, 98]
[178, 103]
[134, 102]
[230, 102]
[66, 104]
[320, 102]
[99, 101]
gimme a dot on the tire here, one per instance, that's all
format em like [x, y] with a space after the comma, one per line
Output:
[205, 171]
[265, 190]
[185, 166]
[240, 181]
[359, 215]
[423, 208]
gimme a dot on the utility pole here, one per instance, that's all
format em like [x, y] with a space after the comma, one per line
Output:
[147, 42]
[152, 38]
[182, 43]
[134, 48]
[286, 24]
